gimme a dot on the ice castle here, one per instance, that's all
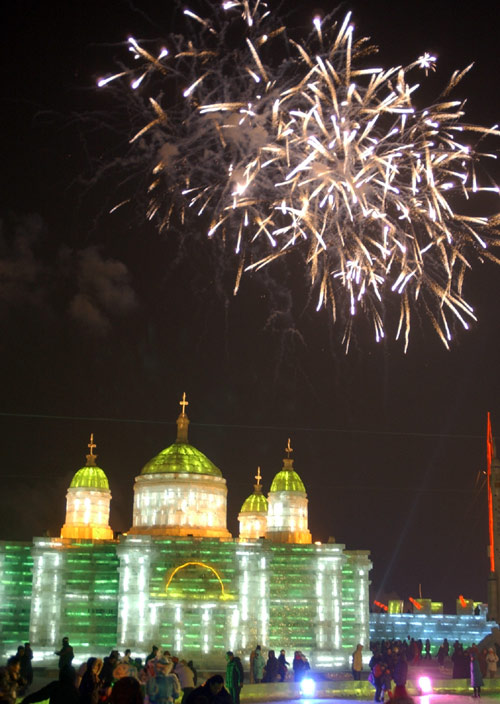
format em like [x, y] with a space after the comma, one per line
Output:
[178, 578]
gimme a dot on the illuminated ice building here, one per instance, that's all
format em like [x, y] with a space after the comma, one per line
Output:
[178, 578]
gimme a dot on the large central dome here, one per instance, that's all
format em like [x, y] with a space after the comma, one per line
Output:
[181, 458]
[180, 491]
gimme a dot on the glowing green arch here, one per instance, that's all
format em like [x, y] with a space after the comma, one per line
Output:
[199, 564]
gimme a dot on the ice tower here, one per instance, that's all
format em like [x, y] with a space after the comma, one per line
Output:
[87, 502]
[253, 514]
[180, 491]
[287, 513]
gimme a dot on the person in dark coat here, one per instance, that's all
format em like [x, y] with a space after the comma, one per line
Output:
[126, 691]
[91, 685]
[272, 667]
[208, 693]
[456, 658]
[26, 666]
[152, 655]
[222, 697]
[108, 665]
[400, 673]
[62, 691]
[476, 678]
[428, 655]
[300, 666]
[283, 665]
[66, 653]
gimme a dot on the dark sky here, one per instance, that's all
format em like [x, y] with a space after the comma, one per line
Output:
[105, 322]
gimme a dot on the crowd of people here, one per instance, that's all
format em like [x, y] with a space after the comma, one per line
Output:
[121, 679]
[116, 679]
[164, 678]
[390, 659]
[276, 669]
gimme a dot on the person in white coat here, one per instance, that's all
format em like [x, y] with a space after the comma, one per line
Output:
[186, 678]
[491, 663]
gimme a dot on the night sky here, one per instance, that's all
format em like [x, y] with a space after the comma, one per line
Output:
[105, 322]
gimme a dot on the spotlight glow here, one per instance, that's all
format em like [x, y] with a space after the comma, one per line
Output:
[308, 687]
[425, 685]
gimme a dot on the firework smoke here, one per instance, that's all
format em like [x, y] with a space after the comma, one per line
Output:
[283, 145]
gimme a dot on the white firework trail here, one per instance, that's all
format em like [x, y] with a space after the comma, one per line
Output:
[287, 146]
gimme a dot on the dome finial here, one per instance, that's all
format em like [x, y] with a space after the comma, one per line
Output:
[288, 462]
[183, 421]
[258, 477]
[91, 458]
[184, 403]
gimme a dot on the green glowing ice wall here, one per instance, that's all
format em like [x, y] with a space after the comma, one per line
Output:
[355, 610]
[293, 608]
[192, 614]
[279, 595]
[198, 597]
[192, 624]
[15, 594]
[75, 591]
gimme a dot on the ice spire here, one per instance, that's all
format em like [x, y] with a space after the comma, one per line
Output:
[258, 486]
[182, 421]
[91, 458]
[287, 461]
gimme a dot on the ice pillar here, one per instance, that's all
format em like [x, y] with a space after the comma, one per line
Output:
[134, 611]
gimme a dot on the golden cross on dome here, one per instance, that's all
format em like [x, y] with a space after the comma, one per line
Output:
[288, 449]
[184, 403]
[92, 444]
[91, 458]
[258, 476]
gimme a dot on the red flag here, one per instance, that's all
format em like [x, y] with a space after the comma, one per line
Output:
[415, 603]
[489, 457]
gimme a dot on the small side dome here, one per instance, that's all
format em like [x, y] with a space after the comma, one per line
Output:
[90, 478]
[255, 503]
[87, 503]
[253, 514]
[287, 480]
[287, 518]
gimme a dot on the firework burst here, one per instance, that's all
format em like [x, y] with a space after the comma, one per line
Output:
[298, 146]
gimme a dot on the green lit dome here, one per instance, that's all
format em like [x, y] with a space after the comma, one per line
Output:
[255, 503]
[181, 458]
[287, 480]
[90, 478]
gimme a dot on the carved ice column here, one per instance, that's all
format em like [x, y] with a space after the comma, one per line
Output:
[48, 591]
[251, 626]
[328, 592]
[135, 617]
